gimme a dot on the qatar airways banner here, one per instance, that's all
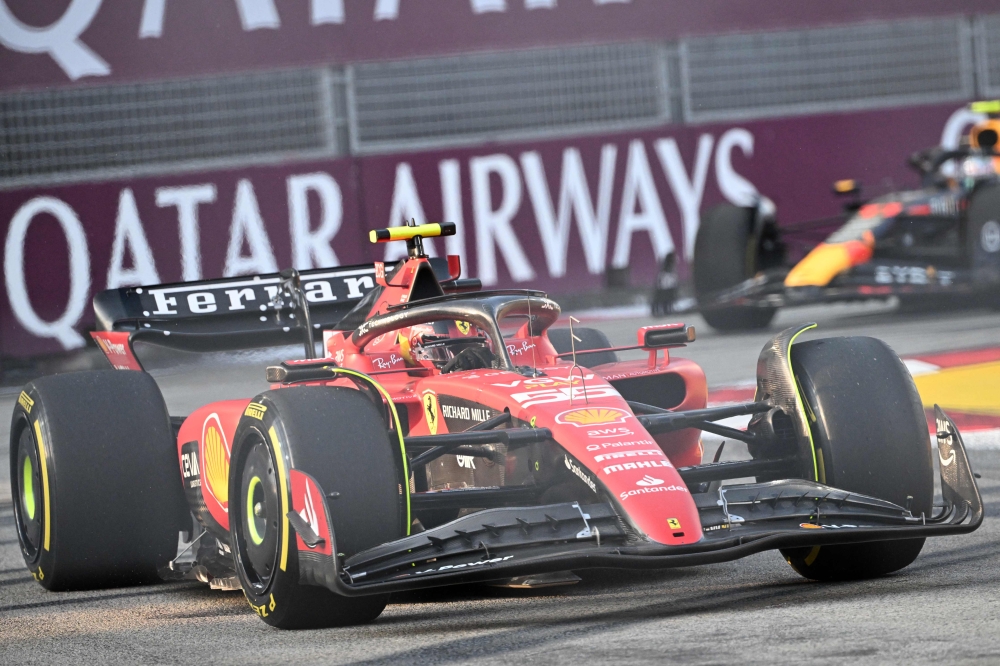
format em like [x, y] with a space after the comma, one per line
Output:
[56, 42]
[551, 215]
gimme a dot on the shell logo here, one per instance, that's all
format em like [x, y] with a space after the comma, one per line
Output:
[591, 416]
[215, 460]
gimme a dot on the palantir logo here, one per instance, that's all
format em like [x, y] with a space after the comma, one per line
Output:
[649, 481]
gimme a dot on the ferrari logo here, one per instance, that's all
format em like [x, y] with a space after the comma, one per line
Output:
[673, 523]
[463, 327]
[431, 411]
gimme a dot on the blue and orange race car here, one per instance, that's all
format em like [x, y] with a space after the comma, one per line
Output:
[447, 434]
[943, 238]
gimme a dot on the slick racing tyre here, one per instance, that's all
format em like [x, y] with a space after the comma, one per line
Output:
[97, 496]
[592, 339]
[727, 252]
[871, 437]
[339, 437]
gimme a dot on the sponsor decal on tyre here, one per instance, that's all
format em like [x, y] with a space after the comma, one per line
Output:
[255, 410]
[25, 401]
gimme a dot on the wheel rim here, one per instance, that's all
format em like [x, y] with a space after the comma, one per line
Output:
[259, 520]
[29, 496]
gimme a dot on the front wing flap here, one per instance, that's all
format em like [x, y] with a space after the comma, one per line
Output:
[737, 521]
[866, 281]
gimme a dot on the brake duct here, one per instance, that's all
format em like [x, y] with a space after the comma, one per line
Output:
[776, 385]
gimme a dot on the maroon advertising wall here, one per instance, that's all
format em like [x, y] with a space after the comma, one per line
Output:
[58, 42]
[550, 215]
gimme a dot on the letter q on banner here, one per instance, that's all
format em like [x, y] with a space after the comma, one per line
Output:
[61, 40]
[79, 271]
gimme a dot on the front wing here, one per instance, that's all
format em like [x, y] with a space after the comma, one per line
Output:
[875, 279]
[737, 521]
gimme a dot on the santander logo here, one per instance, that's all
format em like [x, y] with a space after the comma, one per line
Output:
[649, 481]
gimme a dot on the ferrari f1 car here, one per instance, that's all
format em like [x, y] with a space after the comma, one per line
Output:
[941, 239]
[448, 435]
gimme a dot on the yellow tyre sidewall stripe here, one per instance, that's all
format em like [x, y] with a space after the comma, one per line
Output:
[280, 458]
[800, 403]
[46, 502]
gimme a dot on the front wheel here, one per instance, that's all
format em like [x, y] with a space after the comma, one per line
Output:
[727, 251]
[871, 437]
[338, 437]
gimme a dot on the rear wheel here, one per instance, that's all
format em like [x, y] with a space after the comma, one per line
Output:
[871, 437]
[591, 338]
[983, 238]
[339, 437]
[97, 495]
[727, 252]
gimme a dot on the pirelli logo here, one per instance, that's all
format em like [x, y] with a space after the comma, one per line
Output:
[26, 402]
[255, 410]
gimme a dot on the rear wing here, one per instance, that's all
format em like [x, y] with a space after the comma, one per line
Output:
[242, 312]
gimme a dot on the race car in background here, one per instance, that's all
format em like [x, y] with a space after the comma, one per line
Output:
[943, 238]
[448, 435]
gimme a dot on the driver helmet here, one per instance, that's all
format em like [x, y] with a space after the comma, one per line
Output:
[985, 134]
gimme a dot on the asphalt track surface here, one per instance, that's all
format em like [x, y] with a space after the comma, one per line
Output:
[942, 609]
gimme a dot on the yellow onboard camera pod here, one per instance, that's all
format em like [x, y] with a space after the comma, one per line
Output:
[408, 233]
[989, 107]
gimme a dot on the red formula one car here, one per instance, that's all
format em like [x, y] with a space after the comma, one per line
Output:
[448, 435]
